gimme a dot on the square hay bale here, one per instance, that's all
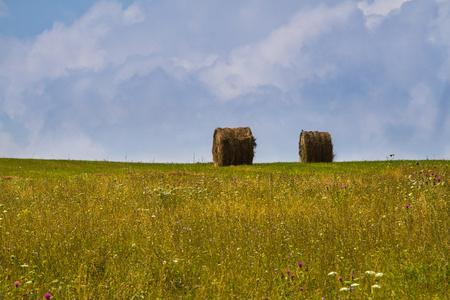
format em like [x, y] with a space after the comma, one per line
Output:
[233, 146]
[315, 146]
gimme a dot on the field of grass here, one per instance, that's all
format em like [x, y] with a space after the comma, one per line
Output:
[106, 230]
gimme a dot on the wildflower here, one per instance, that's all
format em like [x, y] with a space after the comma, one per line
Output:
[47, 296]
[407, 206]
[300, 265]
[344, 289]
[438, 179]
[352, 276]
[370, 273]
[345, 186]
[288, 272]
[292, 276]
[332, 273]
[340, 278]
[379, 275]
[16, 284]
[376, 286]
[301, 288]
[355, 285]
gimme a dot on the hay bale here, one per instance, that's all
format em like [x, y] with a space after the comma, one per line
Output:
[233, 146]
[315, 146]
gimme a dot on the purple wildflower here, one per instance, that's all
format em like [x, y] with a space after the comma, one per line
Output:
[340, 278]
[438, 179]
[288, 272]
[48, 296]
[16, 284]
[300, 265]
[407, 206]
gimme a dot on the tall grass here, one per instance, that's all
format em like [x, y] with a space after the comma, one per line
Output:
[99, 230]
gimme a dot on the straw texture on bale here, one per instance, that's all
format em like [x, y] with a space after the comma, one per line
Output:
[315, 146]
[233, 146]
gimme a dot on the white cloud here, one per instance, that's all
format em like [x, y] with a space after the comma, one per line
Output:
[31, 64]
[376, 10]
[88, 45]
[82, 45]
[133, 14]
[278, 59]
[380, 7]
[76, 47]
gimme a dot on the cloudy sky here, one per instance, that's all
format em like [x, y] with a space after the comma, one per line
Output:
[149, 80]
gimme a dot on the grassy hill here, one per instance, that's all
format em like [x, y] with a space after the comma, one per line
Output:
[109, 230]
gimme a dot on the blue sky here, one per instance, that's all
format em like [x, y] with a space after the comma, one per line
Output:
[150, 80]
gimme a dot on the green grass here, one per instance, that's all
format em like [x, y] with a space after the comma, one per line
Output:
[106, 230]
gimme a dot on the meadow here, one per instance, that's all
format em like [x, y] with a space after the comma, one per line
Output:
[110, 230]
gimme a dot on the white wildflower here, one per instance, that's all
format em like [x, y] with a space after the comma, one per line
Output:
[376, 286]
